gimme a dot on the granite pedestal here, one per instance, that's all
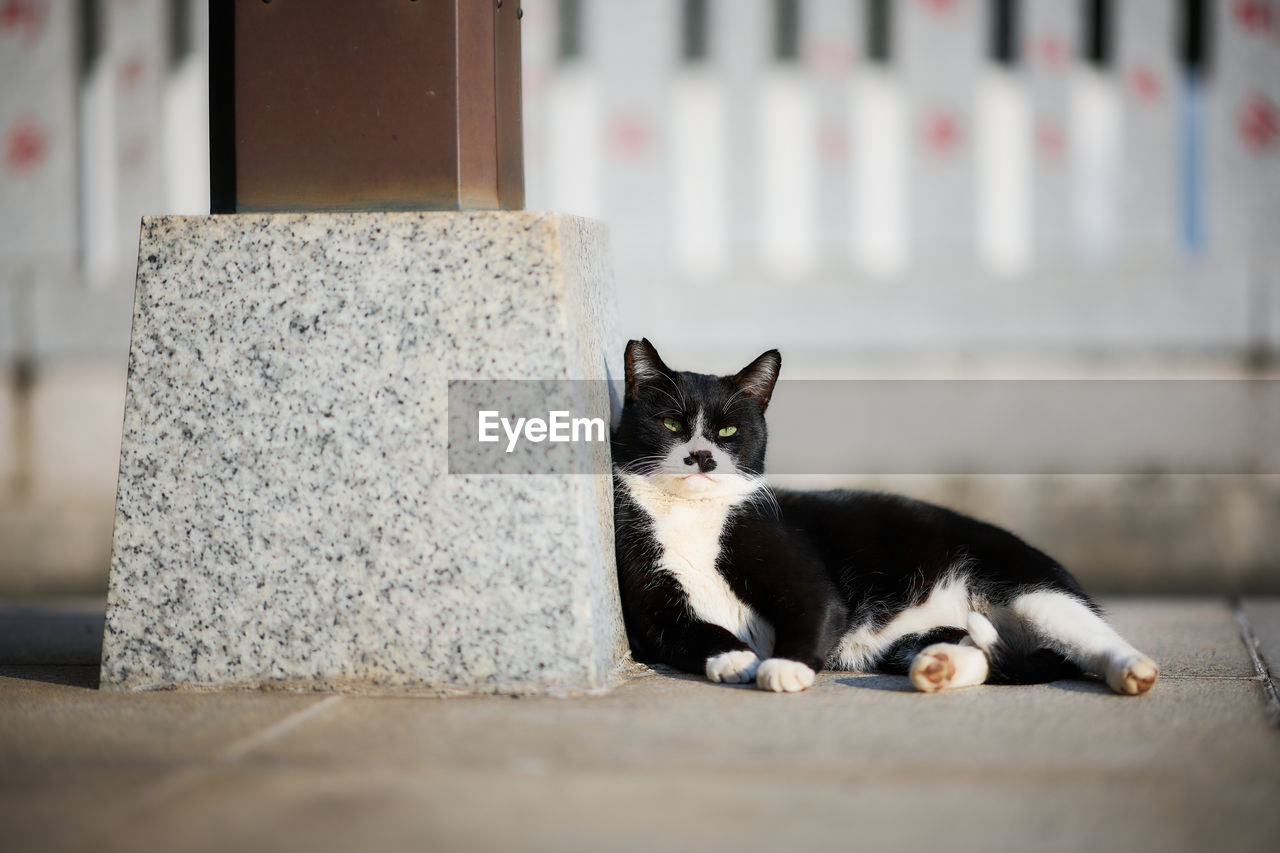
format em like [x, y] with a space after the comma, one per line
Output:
[285, 514]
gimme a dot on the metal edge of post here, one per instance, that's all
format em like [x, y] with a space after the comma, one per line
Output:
[509, 105]
[222, 107]
[478, 116]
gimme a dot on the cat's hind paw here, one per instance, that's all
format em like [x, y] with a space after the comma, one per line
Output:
[733, 667]
[933, 669]
[1133, 676]
[944, 665]
[784, 676]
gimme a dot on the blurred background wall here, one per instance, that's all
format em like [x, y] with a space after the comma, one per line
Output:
[881, 188]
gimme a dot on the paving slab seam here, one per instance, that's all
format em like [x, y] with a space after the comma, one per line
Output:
[183, 779]
[248, 744]
[1252, 644]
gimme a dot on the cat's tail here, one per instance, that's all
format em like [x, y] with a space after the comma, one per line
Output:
[1008, 665]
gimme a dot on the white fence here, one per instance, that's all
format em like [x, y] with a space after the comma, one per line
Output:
[772, 171]
[103, 118]
[800, 182]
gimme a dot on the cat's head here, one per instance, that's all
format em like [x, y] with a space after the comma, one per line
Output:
[693, 433]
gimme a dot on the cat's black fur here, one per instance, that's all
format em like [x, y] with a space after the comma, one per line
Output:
[814, 565]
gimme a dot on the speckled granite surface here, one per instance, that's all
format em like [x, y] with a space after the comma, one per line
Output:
[284, 513]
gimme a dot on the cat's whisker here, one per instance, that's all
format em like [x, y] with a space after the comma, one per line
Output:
[677, 403]
[683, 404]
[764, 495]
[733, 397]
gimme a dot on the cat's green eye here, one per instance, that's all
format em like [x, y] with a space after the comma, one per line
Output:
[671, 424]
[725, 432]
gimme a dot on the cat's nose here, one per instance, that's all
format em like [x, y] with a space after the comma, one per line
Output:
[701, 458]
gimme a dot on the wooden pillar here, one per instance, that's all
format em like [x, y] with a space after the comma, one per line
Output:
[365, 105]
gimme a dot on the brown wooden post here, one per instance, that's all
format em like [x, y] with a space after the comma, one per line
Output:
[365, 105]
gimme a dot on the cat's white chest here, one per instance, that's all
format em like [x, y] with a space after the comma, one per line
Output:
[688, 532]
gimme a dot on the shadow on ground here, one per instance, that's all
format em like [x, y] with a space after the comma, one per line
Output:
[68, 676]
[55, 642]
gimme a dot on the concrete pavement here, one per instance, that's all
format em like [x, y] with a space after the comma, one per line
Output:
[663, 762]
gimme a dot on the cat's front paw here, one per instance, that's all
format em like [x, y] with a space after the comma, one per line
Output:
[733, 667]
[1133, 676]
[784, 676]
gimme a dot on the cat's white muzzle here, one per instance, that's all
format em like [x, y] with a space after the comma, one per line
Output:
[724, 482]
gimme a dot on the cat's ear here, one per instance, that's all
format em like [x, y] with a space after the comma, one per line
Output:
[643, 364]
[757, 379]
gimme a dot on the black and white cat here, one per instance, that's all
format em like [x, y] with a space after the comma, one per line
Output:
[722, 575]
